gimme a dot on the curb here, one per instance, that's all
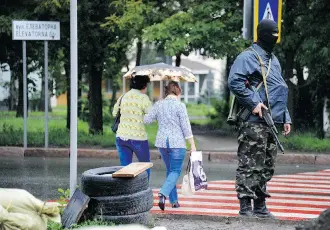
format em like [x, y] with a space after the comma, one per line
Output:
[223, 157]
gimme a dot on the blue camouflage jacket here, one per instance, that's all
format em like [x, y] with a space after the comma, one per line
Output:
[247, 67]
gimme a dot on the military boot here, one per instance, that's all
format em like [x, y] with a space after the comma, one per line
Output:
[245, 207]
[260, 209]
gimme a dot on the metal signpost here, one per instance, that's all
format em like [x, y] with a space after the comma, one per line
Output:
[267, 9]
[247, 19]
[37, 31]
[73, 94]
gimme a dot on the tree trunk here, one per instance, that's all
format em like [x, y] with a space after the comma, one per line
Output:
[51, 88]
[319, 117]
[12, 94]
[138, 52]
[42, 96]
[114, 95]
[20, 105]
[229, 62]
[304, 117]
[226, 90]
[178, 59]
[68, 98]
[80, 86]
[288, 72]
[95, 101]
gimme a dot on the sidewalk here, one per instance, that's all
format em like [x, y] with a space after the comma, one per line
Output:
[223, 156]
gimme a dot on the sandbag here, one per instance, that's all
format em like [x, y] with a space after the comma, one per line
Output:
[21, 210]
[14, 221]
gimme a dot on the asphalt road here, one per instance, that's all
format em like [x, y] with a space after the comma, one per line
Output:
[43, 176]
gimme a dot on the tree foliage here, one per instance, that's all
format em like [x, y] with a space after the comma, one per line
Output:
[304, 46]
[107, 29]
[214, 27]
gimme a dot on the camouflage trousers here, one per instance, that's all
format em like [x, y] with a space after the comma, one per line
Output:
[256, 154]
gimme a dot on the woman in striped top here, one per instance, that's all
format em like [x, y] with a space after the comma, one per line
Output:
[131, 134]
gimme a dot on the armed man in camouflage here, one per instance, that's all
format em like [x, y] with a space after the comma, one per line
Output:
[257, 148]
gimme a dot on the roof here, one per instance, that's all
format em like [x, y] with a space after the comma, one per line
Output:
[195, 66]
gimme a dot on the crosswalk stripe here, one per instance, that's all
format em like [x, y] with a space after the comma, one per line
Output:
[293, 181]
[303, 177]
[324, 174]
[299, 196]
[228, 212]
[270, 201]
[231, 193]
[279, 184]
[279, 189]
[231, 206]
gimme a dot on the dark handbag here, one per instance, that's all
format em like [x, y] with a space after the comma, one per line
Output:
[115, 125]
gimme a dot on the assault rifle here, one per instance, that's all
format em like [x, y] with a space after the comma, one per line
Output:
[244, 113]
[269, 121]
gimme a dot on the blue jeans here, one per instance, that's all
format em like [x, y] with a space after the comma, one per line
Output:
[126, 149]
[173, 159]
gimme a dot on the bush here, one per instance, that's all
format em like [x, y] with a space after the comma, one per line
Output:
[305, 142]
[107, 117]
[218, 114]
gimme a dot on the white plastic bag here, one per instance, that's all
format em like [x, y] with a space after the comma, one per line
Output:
[197, 172]
[187, 188]
[195, 178]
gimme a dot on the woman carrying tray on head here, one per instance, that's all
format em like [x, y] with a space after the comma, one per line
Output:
[131, 134]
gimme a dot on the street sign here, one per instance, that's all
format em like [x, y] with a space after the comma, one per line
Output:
[35, 30]
[267, 9]
[38, 31]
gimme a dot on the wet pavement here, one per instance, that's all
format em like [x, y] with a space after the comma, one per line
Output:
[43, 176]
[213, 142]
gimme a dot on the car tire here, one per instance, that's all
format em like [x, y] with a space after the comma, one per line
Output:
[122, 205]
[99, 183]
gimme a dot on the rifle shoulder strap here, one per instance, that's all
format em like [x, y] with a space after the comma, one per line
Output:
[264, 76]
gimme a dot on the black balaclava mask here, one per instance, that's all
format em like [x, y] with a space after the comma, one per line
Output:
[267, 34]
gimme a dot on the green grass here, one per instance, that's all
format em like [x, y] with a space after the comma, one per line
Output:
[198, 110]
[11, 129]
[306, 142]
[200, 122]
[55, 114]
[11, 132]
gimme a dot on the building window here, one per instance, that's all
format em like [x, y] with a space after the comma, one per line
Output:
[191, 88]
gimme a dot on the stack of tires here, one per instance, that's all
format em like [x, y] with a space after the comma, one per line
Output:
[117, 200]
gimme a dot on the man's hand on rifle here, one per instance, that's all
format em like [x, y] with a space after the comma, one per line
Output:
[258, 109]
[287, 129]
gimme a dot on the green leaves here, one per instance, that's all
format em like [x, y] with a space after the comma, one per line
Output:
[213, 26]
[174, 34]
[130, 16]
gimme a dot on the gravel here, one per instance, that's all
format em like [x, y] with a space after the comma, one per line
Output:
[183, 223]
